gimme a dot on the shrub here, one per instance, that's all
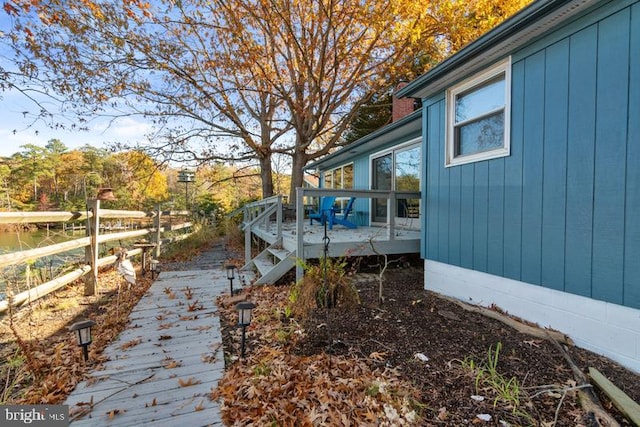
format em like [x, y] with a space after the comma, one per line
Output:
[316, 291]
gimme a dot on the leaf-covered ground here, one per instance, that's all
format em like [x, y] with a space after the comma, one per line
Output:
[416, 360]
[41, 362]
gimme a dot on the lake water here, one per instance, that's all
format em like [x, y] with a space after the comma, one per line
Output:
[44, 267]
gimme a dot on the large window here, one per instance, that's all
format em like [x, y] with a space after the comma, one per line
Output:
[397, 169]
[478, 117]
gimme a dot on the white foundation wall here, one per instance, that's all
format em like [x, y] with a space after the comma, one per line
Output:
[604, 328]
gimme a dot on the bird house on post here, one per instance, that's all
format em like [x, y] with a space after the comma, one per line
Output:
[186, 176]
[106, 194]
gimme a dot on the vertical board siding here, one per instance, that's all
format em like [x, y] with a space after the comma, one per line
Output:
[611, 134]
[424, 186]
[580, 160]
[563, 209]
[466, 219]
[435, 144]
[495, 239]
[533, 127]
[632, 218]
[443, 195]
[513, 178]
[554, 168]
[480, 216]
[455, 212]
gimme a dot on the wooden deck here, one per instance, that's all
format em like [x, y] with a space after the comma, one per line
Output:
[163, 367]
[343, 241]
[289, 242]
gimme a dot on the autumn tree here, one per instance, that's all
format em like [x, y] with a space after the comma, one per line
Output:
[139, 182]
[236, 79]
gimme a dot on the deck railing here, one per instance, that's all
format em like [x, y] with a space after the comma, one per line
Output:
[93, 215]
[391, 196]
[266, 213]
[259, 214]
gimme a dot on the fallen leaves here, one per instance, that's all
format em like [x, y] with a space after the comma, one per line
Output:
[112, 413]
[188, 292]
[188, 382]
[130, 344]
[194, 306]
[272, 383]
[378, 356]
[171, 363]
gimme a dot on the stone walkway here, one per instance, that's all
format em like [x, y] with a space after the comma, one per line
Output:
[162, 368]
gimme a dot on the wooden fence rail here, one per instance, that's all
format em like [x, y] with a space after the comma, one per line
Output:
[91, 242]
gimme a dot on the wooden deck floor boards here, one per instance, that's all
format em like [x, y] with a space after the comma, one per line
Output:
[140, 381]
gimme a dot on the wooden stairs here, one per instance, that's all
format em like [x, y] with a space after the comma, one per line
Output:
[272, 263]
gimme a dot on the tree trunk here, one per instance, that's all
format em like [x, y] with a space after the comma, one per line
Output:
[266, 175]
[297, 164]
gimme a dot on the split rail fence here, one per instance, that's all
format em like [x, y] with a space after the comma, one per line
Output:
[153, 234]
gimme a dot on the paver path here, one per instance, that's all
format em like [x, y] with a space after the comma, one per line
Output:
[162, 368]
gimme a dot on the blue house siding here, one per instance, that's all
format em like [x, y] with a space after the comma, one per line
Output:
[513, 180]
[562, 211]
[581, 117]
[632, 217]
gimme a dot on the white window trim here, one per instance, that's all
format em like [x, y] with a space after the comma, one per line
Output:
[450, 159]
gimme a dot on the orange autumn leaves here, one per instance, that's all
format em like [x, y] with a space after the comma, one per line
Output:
[273, 383]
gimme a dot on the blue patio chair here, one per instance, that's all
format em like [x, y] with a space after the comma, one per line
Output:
[325, 211]
[341, 218]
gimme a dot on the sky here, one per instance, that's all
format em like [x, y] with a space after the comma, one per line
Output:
[12, 106]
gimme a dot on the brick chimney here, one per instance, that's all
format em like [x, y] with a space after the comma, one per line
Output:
[401, 106]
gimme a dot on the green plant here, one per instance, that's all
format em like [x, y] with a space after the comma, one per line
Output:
[261, 369]
[506, 390]
[325, 285]
[373, 390]
[288, 312]
[283, 335]
[13, 372]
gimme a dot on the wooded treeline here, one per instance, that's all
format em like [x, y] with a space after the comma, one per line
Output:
[54, 177]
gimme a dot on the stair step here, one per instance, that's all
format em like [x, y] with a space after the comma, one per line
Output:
[279, 253]
[263, 265]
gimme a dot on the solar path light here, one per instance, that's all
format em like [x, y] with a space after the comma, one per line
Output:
[231, 274]
[245, 310]
[83, 335]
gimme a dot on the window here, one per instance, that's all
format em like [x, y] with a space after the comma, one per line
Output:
[341, 177]
[397, 169]
[478, 116]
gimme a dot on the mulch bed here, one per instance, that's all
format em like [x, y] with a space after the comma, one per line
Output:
[440, 349]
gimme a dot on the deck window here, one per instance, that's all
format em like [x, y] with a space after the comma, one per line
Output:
[397, 169]
[478, 117]
[341, 177]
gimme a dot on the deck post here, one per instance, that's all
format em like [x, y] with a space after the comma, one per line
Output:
[391, 214]
[91, 251]
[279, 217]
[247, 238]
[157, 223]
[299, 232]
